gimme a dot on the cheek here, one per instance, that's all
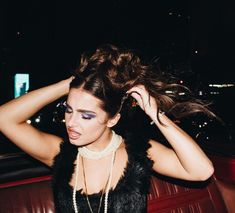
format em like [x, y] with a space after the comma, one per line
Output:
[91, 132]
[92, 127]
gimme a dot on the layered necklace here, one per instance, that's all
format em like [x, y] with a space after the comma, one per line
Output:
[86, 153]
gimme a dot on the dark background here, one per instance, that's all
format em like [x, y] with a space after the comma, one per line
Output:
[192, 39]
[45, 38]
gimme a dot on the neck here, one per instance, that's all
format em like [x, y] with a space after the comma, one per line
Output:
[110, 147]
[102, 142]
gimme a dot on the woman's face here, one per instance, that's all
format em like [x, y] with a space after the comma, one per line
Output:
[85, 120]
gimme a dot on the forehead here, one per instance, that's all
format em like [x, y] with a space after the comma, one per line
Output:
[81, 99]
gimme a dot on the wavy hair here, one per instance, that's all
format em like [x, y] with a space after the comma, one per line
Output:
[109, 72]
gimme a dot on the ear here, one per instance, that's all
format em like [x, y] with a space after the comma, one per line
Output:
[113, 121]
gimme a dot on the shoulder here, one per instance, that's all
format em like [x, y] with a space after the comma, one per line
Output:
[137, 143]
[67, 153]
[137, 147]
[63, 164]
[138, 169]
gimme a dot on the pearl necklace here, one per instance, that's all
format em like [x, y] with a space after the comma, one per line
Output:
[113, 145]
[87, 197]
[116, 139]
[106, 188]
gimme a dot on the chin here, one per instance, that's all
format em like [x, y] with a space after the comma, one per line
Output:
[77, 142]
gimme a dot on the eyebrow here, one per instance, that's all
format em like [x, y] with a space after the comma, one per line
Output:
[82, 110]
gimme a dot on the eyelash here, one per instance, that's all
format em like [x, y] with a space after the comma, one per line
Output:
[67, 110]
[86, 117]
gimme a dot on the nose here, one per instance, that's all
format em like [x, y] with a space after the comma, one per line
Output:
[71, 120]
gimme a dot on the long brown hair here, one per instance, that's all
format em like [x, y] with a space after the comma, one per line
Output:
[109, 72]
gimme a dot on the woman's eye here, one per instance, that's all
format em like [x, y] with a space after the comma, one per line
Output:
[68, 110]
[87, 116]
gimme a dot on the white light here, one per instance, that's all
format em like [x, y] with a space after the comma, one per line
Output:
[168, 91]
[63, 120]
[196, 51]
[181, 93]
[37, 120]
[221, 85]
[214, 93]
[28, 121]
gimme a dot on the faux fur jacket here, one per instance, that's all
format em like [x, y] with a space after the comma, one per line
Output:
[130, 194]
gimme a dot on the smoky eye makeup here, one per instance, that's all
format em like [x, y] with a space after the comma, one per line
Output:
[88, 115]
[85, 114]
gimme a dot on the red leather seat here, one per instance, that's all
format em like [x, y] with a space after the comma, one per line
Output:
[225, 175]
[169, 197]
[35, 195]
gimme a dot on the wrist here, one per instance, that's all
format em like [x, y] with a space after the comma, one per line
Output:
[160, 115]
[65, 85]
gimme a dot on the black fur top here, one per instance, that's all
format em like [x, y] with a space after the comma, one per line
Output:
[130, 194]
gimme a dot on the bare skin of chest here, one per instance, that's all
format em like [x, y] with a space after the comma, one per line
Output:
[97, 172]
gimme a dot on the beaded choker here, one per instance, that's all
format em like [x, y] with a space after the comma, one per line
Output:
[113, 145]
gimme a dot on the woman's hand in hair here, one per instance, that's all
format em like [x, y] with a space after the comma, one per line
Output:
[146, 102]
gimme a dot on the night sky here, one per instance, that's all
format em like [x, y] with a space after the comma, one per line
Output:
[46, 38]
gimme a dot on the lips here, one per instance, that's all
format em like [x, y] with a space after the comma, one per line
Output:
[74, 135]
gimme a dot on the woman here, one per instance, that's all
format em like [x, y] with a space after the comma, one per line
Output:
[96, 170]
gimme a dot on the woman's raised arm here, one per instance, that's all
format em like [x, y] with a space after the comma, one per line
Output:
[13, 116]
[185, 160]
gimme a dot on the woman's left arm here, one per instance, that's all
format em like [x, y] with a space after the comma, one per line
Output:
[185, 160]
